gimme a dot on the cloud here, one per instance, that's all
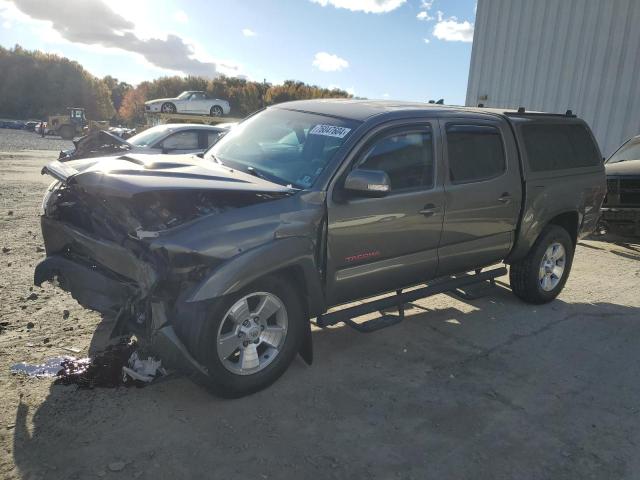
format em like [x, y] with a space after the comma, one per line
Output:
[180, 17]
[329, 63]
[94, 23]
[247, 32]
[451, 30]
[426, 40]
[367, 6]
[425, 6]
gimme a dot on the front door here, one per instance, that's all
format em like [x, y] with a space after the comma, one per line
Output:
[483, 193]
[378, 244]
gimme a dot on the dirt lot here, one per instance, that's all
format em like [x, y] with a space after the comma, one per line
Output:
[484, 389]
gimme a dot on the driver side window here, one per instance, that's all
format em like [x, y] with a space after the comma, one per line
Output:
[406, 156]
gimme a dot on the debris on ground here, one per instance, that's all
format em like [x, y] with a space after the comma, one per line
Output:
[30, 325]
[32, 296]
[3, 326]
[118, 365]
[103, 370]
[50, 368]
[72, 349]
[143, 370]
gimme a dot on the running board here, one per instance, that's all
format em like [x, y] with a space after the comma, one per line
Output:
[347, 315]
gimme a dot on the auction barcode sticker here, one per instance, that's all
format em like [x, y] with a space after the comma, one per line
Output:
[329, 131]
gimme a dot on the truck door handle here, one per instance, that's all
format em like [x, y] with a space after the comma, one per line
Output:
[505, 198]
[430, 210]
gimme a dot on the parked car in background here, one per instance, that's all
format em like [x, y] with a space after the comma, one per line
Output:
[30, 125]
[223, 260]
[190, 102]
[176, 138]
[621, 208]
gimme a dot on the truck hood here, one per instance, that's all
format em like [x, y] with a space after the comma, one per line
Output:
[131, 174]
[628, 167]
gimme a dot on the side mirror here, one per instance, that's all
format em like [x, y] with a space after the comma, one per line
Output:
[368, 183]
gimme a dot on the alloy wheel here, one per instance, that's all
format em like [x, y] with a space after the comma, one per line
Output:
[252, 333]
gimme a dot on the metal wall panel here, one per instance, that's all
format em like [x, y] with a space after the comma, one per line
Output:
[558, 55]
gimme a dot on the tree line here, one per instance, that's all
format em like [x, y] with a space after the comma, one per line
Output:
[35, 84]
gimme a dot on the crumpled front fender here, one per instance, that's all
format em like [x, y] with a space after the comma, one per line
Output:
[240, 271]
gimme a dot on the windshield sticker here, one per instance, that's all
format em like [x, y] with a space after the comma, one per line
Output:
[329, 131]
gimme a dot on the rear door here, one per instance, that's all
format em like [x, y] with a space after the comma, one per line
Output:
[379, 244]
[482, 192]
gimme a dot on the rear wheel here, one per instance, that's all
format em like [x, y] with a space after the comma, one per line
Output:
[168, 108]
[542, 274]
[250, 338]
[216, 111]
[67, 132]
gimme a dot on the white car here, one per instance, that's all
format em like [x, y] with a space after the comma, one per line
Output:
[190, 102]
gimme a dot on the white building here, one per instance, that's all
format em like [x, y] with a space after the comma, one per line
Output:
[558, 55]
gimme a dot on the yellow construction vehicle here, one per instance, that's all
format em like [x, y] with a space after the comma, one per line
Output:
[72, 124]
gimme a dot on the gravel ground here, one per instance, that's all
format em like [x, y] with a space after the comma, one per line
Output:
[483, 389]
[17, 140]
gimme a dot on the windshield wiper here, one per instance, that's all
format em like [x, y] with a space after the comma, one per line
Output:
[270, 178]
[258, 173]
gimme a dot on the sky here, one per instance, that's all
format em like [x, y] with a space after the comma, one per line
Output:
[397, 49]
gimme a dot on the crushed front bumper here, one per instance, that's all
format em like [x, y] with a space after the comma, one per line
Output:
[106, 277]
[99, 274]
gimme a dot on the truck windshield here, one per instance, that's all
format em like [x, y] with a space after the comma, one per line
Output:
[628, 151]
[284, 146]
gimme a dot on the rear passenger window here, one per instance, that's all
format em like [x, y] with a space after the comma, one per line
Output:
[184, 140]
[406, 157]
[557, 147]
[475, 153]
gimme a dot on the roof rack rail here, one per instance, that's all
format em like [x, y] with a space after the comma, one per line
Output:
[540, 114]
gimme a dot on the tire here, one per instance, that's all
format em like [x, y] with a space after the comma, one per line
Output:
[216, 111]
[535, 278]
[66, 132]
[202, 338]
[168, 108]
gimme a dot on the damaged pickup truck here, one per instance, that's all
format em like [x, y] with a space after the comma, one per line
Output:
[220, 262]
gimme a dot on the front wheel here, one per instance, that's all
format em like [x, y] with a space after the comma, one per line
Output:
[168, 108]
[251, 337]
[66, 132]
[216, 111]
[542, 274]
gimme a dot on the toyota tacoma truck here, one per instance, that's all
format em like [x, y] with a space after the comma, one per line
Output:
[220, 262]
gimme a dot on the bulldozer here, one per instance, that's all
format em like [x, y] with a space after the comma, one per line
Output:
[74, 123]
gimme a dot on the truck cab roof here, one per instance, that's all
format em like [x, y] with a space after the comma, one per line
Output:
[363, 110]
